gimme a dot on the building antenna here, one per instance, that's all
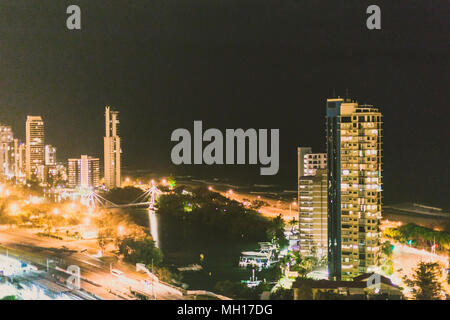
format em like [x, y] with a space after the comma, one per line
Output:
[334, 92]
[346, 93]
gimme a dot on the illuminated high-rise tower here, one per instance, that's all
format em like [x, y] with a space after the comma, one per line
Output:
[354, 187]
[112, 149]
[6, 151]
[35, 153]
[312, 202]
[50, 155]
[83, 172]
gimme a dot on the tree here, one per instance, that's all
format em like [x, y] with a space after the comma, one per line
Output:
[387, 248]
[276, 231]
[425, 281]
[140, 251]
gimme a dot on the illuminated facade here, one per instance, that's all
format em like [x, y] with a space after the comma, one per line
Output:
[301, 152]
[112, 151]
[312, 205]
[84, 172]
[6, 151]
[35, 153]
[354, 140]
[312, 202]
[50, 155]
[20, 159]
[314, 161]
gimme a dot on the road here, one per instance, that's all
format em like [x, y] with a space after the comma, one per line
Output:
[95, 273]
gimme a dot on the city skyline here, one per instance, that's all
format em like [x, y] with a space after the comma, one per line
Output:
[148, 151]
[245, 80]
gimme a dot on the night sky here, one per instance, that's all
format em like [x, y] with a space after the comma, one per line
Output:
[232, 64]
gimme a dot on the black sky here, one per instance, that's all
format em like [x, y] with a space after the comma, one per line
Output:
[232, 63]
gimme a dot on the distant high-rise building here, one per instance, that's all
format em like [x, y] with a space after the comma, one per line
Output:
[6, 151]
[50, 155]
[84, 172]
[21, 161]
[112, 149]
[312, 202]
[354, 140]
[35, 154]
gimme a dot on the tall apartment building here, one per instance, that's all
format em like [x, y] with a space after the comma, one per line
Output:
[35, 154]
[84, 172]
[112, 151]
[20, 159]
[354, 187]
[312, 202]
[6, 151]
[50, 155]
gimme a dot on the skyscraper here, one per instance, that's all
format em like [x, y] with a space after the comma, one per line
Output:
[35, 154]
[354, 187]
[312, 205]
[50, 155]
[6, 151]
[312, 202]
[84, 172]
[112, 149]
[20, 159]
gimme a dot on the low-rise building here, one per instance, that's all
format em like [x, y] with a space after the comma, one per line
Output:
[366, 286]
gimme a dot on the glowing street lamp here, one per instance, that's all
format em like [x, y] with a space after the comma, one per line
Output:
[290, 207]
